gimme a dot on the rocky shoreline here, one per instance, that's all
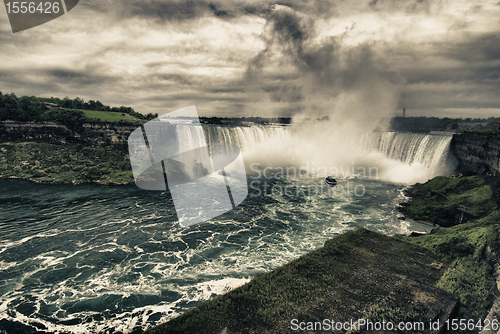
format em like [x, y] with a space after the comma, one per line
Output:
[464, 207]
[110, 183]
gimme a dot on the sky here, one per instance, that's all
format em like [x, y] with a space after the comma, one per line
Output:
[300, 58]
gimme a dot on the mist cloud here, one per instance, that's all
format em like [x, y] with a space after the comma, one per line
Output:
[307, 58]
[326, 77]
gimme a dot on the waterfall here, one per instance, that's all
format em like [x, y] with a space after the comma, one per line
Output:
[189, 137]
[244, 137]
[431, 151]
[399, 157]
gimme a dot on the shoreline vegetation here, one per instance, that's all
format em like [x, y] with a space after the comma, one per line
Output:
[466, 212]
[341, 278]
[66, 164]
[365, 275]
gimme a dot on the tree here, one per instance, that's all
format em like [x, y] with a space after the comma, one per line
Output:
[92, 105]
[67, 103]
[78, 103]
[8, 107]
[29, 109]
[72, 119]
[99, 105]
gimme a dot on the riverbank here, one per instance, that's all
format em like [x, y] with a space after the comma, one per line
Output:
[366, 275]
[358, 275]
[69, 163]
[467, 215]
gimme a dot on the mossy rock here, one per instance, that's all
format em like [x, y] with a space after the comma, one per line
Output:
[448, 201]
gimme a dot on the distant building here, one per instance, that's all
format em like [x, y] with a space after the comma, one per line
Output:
[404, 112]
[496, 123]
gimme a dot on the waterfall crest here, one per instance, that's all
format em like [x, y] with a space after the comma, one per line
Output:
[431, 151]
[399, 157]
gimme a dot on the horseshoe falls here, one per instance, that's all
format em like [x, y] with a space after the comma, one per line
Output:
[105, 259]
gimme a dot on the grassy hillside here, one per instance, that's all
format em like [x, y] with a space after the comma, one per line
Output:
[348, 278]
[466, 203]
[469, 276]
[450, 200]
[111, 117]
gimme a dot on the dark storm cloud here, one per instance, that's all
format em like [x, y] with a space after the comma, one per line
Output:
[56, 82]
[166, 10]
[177, 10]
[454, 74]
[132, 52]
[318, 71]
[482, 48]
[450, 96]
[66, 77]
[174, 79]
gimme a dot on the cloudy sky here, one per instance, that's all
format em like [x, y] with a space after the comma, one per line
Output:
[244, 58]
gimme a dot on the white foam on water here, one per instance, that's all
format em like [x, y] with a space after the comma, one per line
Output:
[147, 255]
[218, 287]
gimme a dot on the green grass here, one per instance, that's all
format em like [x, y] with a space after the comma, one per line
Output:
[442, 200]
[469, 276]
[339, 281]
[43, 162]
[111, 117]
[448, 201]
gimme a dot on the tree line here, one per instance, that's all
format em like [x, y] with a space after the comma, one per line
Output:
[427, 124]
[63, 111]
[79, 104]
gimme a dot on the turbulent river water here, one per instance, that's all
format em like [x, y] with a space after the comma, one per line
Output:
[104, 259]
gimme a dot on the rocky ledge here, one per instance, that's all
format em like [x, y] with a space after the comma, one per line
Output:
[477, 152]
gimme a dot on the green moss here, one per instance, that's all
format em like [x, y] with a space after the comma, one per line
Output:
[43, 162]
[469, 275]
[450, 200]
[339, 281]
[473, 282]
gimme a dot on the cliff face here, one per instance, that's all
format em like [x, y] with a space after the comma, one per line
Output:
[45, 132]
[477, 153]
[48, 132]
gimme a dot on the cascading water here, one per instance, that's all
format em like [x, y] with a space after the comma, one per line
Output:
[189, 137]
[245, 137]
[399, 157]
[91, 259]
[431, 151]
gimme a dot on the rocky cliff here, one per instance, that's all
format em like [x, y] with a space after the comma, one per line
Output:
[48, 132]
[477, 153]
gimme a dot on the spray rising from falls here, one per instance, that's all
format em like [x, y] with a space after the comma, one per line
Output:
[418, 157]
[395, 157]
